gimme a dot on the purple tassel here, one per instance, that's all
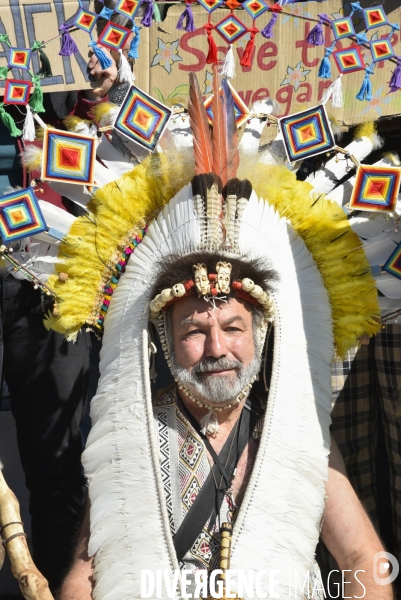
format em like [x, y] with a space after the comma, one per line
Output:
[147, 17]
[68, 46]
[267, 32]
[315, 36]
[188, 15]
[395, 81]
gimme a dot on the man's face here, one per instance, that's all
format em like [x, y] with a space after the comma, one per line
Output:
[214, 350]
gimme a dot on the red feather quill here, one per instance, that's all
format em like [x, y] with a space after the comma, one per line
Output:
[203, 148]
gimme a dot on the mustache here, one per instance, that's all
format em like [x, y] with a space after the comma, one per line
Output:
[216, 364]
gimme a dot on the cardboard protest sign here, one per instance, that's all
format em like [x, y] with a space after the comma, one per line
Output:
[284, 67]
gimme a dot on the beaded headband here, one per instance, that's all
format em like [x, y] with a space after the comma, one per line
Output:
[210, 286]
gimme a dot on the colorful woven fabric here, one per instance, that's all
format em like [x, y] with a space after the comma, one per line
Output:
[374, 17]
[343, 28]
[393, 264]
[85, 20]
[210, 5]
[19, 57]
[114, 36]
[306, 133]
[349, 60]
[381, 50]
[17, 91]
[20, 215]
[142, 119]
[255, 8]
[231, 29]
[376, 188]
[240, 108]
[68, 157]
[128, 8]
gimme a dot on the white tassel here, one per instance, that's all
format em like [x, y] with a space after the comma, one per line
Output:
[209, 423]
[335, 92]
[28, 131]
[228, 67]
[125, 74]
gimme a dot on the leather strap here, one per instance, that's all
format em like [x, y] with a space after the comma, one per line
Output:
[206, 502]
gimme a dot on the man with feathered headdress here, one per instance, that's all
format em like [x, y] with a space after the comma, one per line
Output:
[229, 466]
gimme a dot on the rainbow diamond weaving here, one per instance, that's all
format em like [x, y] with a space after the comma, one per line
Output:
[85, 20]
[374, 17]
[142, 119]
[231, 29]
[114, 36]
[381, 49]
[393, 263]
[306, 133]
[255, 8]
[128, 8]
[68, 157]
[19, 57]
[376, 188]
[17, 91]
[240, 108]
[20, 215]
[349, 60]
[343, 28]
[211, 5]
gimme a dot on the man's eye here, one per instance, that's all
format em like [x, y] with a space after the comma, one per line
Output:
[233, 329]
[193, 332]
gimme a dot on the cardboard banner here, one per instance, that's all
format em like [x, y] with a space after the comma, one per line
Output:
[284, 68]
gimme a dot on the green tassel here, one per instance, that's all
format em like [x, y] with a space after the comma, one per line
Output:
[156, 13]
[4, 38]
[3, 72]
[36, 101]
[9, 122]
[45, 67]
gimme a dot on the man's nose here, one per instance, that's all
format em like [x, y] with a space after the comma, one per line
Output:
[216, 345]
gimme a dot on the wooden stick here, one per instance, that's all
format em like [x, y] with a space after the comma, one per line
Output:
[32, 583]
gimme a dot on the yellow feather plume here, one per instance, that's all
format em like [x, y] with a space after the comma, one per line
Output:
[71, 122]
[94, 244]
[336, 249]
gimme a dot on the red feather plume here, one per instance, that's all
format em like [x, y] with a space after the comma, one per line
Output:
[203, 148]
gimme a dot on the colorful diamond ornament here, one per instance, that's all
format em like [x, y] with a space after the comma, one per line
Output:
[68, 157]
[306, 133]
[142, 119]
[393, 263]
[17, 91]
[255, 8]
[20, 216]
[128, 8]
[343, 28]
[231, 29]
[381, 50]
[376, 188]
[374, 17]
[349, 60]
[19, 58]
[114, 36]
[210, 5]
[240, 108]
[85, 20]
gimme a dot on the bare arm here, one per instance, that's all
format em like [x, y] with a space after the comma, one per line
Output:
[349, 535]
[78, 584]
